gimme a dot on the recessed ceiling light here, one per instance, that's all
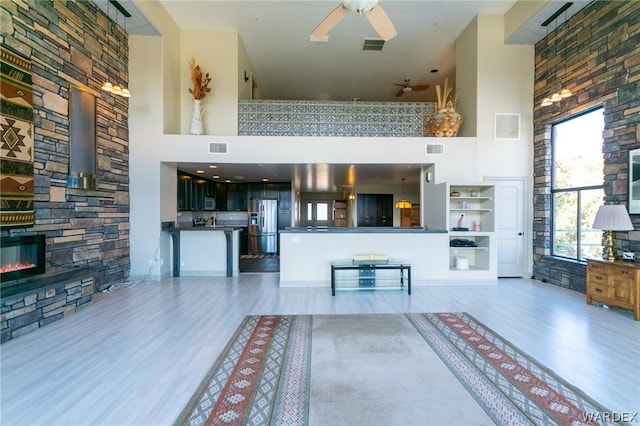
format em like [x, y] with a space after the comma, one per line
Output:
[265, 179]
[227, 180]
[199, 171]
[213, 166]
[216, 176]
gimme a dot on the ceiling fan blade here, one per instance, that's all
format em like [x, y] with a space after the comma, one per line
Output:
[400, 84]
[419, 87]
[330, 21]
[380, 22]
[400, 93]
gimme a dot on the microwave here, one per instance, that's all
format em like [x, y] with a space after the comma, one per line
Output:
[209, 203]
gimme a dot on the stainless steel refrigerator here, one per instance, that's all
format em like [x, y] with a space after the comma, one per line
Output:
[263, 226]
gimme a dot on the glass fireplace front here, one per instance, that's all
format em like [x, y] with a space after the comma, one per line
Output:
[21, 256]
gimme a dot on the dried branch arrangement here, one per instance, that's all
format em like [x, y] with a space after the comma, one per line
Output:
[445, 97]
[200, 82]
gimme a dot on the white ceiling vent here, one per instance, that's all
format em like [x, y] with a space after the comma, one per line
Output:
[372, 45]
[434, 149]
[218, 147]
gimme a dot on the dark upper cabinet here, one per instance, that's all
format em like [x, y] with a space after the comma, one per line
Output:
[210, 189]
[375, 210]
[185, 187]
[237, 197]
[198, 193]
[284, 196]
[192, 190]
[221, 196]
[232, 191]
[242, 197]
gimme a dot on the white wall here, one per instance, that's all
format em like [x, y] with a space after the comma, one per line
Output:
[500, 78]
[244, 66]
[507, 71]
[167, 59]
[217, 54]
[145, 128]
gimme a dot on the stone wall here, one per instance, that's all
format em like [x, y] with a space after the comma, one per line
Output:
[73, 43]
[27, 312]
[597, 55]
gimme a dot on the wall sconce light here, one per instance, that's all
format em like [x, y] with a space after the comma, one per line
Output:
[246, 77]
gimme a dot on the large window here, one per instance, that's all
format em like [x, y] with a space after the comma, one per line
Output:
[577, 185]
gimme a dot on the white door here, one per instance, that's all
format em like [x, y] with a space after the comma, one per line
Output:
[509, 218]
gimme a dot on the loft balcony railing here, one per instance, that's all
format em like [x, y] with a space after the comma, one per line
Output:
[333, 118]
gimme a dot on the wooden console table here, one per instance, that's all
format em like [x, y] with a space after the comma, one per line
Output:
[614, 283]
[366, 278]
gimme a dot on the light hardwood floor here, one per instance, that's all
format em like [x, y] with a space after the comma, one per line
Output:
[136, 355]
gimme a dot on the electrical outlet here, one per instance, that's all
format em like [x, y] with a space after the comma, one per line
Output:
[182, 263]
[161, 262]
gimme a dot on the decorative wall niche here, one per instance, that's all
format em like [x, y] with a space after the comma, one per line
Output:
[82, 140]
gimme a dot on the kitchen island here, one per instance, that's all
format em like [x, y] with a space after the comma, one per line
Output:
[205, 250]
[306, 254]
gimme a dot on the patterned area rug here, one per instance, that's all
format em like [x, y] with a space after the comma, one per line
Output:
[511, 387]
[263, 376]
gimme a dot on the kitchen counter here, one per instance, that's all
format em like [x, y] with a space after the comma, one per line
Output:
[366, 230]
[183, 231]
[306, 255]
[190, 227]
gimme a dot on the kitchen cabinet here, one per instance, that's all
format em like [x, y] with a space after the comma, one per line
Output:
[244, 241]
[198, 194]
[192, 191]
[410, 217]
[221, 196]
[232, 193]
[284, 196]
[237, 197]
[185, 183]
[375, 209]
[340, 213]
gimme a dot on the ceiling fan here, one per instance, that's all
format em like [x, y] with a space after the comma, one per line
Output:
[406, 87]
[377, 17]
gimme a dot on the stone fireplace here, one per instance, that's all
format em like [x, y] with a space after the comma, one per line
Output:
[32, 297]
[21, 256]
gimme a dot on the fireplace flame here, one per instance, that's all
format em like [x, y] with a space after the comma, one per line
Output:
[11, 267]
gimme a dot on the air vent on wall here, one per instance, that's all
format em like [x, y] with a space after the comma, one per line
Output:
[218, 147]
[434, 149]
[507, 126]
[372, 45]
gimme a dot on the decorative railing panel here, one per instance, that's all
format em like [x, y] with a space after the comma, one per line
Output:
[333, 118]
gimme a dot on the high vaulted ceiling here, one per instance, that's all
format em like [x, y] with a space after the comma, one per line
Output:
[289, 66]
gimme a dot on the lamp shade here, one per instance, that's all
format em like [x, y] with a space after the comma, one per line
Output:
[613, 217]
[403, 204]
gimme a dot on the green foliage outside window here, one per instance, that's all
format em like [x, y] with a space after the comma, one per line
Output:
[577, 185]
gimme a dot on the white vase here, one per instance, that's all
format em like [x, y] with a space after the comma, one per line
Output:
[196, 118]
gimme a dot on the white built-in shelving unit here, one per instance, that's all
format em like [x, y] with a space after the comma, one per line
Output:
[467, 212]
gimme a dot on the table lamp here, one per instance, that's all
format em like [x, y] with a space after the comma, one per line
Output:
[612, 217]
